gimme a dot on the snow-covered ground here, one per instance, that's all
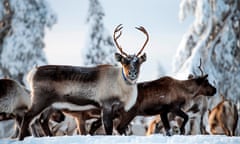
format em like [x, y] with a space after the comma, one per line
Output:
[153, 139]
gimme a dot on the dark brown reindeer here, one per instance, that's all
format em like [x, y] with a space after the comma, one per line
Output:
[83, 88]
[162, 96]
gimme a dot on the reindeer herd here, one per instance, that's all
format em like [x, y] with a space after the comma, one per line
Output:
[108, 94]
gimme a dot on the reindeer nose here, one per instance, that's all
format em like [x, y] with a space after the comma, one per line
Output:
[212, 92]
[215, 90]
[132, 74]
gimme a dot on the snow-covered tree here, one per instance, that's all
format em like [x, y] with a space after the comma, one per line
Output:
[100, 47]
[21, 47]
[214, 37]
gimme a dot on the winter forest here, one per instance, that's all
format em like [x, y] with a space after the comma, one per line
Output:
[210, 46]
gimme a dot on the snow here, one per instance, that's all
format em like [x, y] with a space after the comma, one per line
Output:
[153, 139]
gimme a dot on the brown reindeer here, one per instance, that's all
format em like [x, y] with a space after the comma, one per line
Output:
[82, 88]
[162, 96]
[223, 118]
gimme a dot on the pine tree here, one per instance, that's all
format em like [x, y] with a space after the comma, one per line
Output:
[100, 47]
[21, 44]
[214, 37]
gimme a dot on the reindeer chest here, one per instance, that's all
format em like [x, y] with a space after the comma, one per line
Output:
[126, 94]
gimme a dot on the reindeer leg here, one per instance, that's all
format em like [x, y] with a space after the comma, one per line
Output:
[80, 120]
[165, 122]
[25, 125]
[110, 109]
[226, 130]
[95, 125]
[107, 120]
[36, 129]
[125, 120]
[182, 114]
[19, 120]
[44, 120]
[29, 116]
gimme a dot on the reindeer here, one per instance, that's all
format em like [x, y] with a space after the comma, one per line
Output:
[82, 88]
[15, 100]
[223, 118]
[162, 96]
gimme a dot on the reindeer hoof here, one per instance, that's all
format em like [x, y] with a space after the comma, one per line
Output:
[182, 131]
[168, 133]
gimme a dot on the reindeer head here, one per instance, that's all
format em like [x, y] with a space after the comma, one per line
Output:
[130, 63]
[204, 87]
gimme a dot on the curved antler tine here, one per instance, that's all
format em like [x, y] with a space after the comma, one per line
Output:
[117, 29]
[142, 29]
[200, 67]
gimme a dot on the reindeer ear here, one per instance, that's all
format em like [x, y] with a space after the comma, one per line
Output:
[190, 76]
[118, 57]
[201, 79]
[205, 77]
[143, 58]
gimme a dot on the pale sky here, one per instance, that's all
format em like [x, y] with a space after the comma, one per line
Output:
[65, 41]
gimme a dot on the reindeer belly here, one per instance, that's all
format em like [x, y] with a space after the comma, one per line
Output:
[73, 107]
[151, 110]
[76, 102]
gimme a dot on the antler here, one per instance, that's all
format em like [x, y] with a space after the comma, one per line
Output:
[200, 67]
[117, 29]
[142, 29]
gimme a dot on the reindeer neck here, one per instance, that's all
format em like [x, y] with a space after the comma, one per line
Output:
[125, 78]
[189, 87]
